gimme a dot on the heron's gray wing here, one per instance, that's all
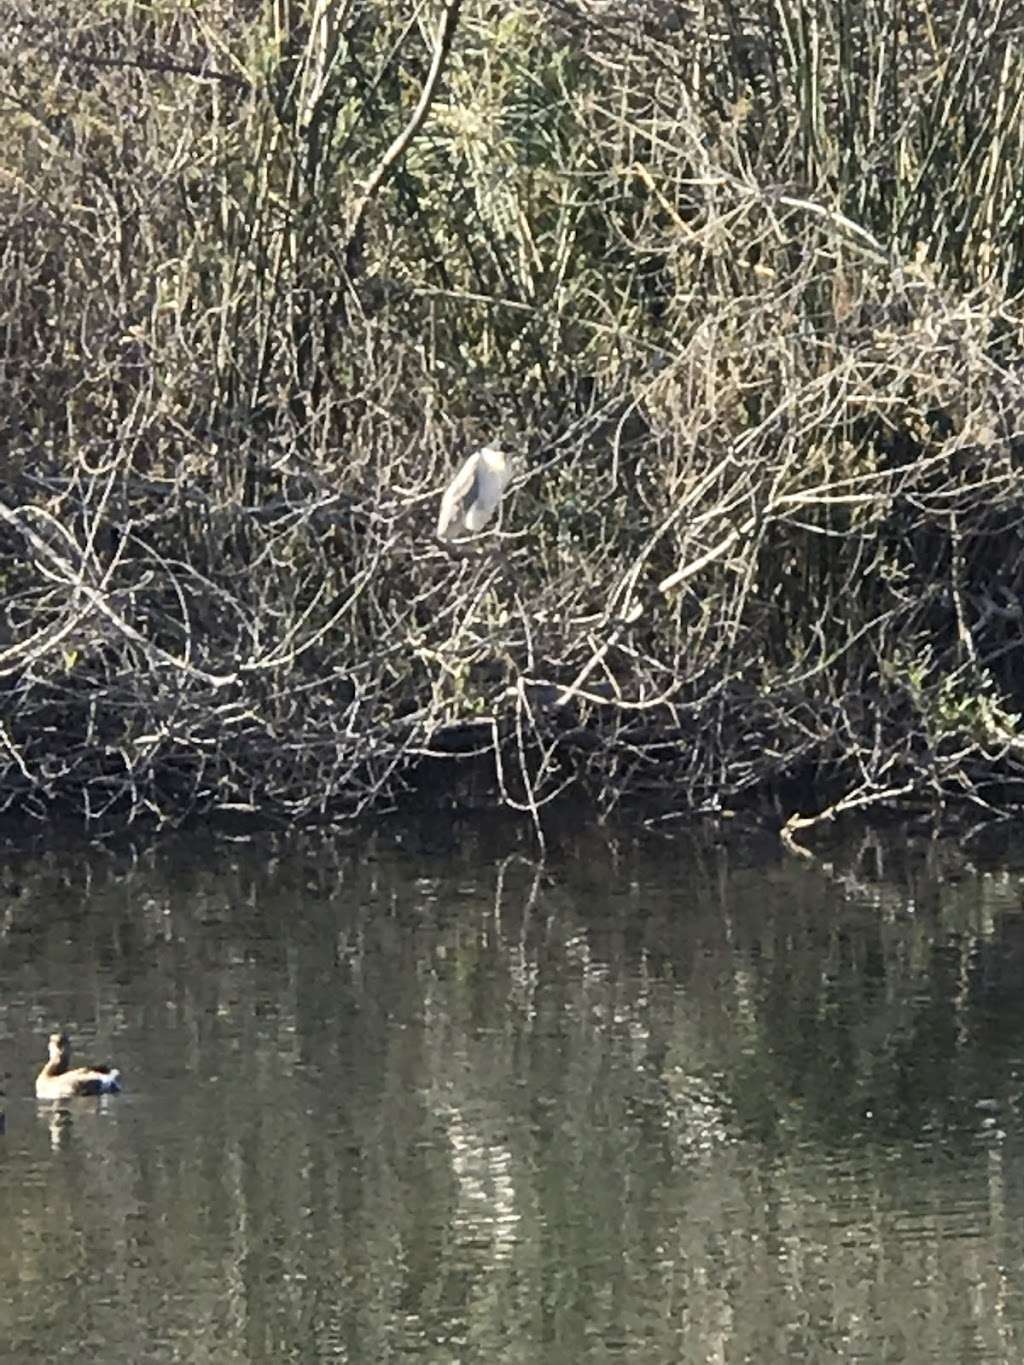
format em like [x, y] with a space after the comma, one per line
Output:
[467, 484]
[459, 497]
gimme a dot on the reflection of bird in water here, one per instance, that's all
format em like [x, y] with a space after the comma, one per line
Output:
[60, 1125]
[58, 1080]
[472, 497]
[487, 1214]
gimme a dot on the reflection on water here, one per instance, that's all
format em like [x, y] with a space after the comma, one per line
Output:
[387, 1102]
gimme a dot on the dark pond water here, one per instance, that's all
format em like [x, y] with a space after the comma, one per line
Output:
[413, 1099]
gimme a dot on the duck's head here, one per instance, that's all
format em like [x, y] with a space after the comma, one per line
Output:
[60, 1047]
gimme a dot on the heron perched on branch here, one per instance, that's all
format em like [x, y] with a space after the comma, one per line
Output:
[472, 497]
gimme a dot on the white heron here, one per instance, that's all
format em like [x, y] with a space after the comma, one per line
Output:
[472, 497]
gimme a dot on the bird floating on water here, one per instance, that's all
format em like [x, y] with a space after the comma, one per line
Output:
[472, 497]
[59, 1081]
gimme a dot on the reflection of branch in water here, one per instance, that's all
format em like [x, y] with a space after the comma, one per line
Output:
[519, 969]
[499, 888]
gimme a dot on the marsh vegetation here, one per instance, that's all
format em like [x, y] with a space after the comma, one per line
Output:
[740, 281]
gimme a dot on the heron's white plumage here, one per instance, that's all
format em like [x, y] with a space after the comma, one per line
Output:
[472, 497]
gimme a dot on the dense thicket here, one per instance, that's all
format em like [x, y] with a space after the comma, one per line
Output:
[740, 281]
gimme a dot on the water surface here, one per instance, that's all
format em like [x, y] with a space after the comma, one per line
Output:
[406, 1097]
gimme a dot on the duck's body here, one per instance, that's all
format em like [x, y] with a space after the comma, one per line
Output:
[60, 1081]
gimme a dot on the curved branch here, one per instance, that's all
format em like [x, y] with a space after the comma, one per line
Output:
[398, 148]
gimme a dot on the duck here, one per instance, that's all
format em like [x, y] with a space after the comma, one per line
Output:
[59, 1081]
